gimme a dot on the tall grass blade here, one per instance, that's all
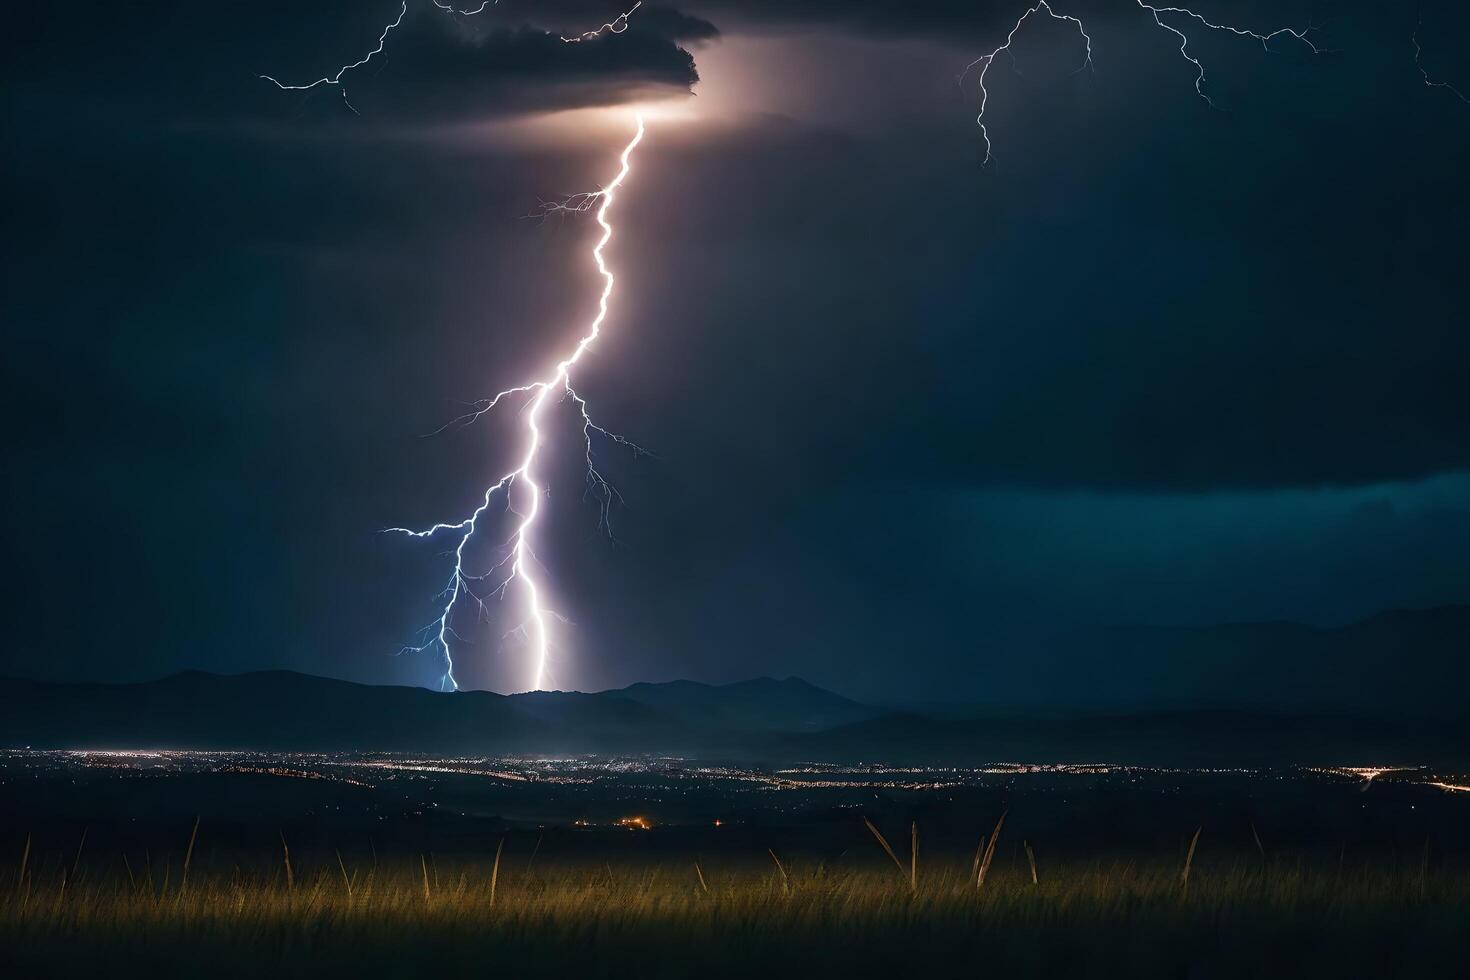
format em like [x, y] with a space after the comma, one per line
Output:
[914, 857]
[700, 872]
[189, 855]
[68, 875]
[990, 851]
[1031, 859]
[785, 879]
[25, 857]
[345, 880]
[1189, 862]
[495, 871]
[286, 853]
[78, 859]
[884, 841]
[535, 851]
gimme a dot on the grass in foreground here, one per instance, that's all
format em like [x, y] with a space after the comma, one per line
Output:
[681, 921]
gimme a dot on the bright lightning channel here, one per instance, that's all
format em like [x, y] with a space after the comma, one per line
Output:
[519, 555]
[985, 61]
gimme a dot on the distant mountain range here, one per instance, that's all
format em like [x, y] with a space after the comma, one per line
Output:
[290, 711]
[761, 705]
[1308, 692]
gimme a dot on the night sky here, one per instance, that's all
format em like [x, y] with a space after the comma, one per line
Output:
[1156, 364]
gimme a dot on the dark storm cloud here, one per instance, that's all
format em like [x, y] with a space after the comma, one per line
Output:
[202, 65]
[889, 18]
[673, 24]
[439, 70]
[576, 17]
[945, 18]
[965, 20]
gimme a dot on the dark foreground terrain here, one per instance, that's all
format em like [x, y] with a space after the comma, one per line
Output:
[159, 864]
[618, 920]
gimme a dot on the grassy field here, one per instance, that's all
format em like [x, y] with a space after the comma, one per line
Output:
[675, 919]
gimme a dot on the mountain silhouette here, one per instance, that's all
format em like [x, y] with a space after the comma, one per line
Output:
[1302, 696]
[760, 705]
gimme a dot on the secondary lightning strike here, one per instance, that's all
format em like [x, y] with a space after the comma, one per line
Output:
[1199, 78]
[985, 61]
[617, 25]
[519, 555]
[449, 8]
[337, 78]
[1424, 72]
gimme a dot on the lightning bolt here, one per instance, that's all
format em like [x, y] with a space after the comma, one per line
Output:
[536, 394]
[986, 60]
[617, 25]
[1199, 78]
[1429, 81]
[463, 586]
[449, 8]
[1158, 14]
[337, 78]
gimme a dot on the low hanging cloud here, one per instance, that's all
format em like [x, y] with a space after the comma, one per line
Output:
[438, 67]
[211, 66]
